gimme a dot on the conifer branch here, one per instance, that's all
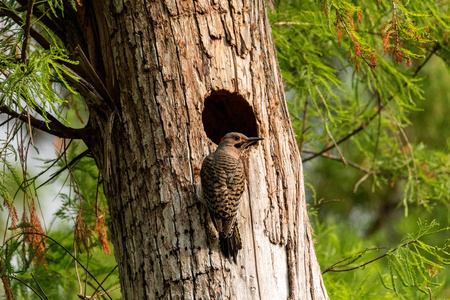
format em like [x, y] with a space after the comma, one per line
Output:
[30, 181]
[429, 291]
[413, 160]
[91, 87]
[84, 87]
[358, 183]
[54, 128]
[433, 51]
[73, 132]
[379, 110]
[293, 23]
[375, 150]
[355, 131]
[332, 269]
[71, 163]
[29, 125]
[5, 10]
[327, 130]
[27, 28]
[23, 8]
[6, 121]
[39, 286]
[26, 284]
[338, 158]
[305, 111]
[63, 248]
[96, 290]
[370, 63]
[110, 290]
[52, 24]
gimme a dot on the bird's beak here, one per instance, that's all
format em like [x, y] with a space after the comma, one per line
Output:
[248, 142]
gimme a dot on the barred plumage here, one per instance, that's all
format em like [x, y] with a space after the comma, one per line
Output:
[223, 184]
[223, 181]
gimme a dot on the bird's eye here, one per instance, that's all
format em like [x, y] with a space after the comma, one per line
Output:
[237, 138]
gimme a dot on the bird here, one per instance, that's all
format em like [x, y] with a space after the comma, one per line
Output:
[223, 181]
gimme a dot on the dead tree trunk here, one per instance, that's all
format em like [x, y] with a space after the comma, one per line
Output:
[178, 76]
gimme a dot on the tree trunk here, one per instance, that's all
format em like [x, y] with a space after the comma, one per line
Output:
[179, 75]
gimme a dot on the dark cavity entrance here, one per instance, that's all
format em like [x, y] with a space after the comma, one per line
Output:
[227, 112]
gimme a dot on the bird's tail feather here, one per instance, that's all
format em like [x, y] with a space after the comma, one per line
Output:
[230, 245]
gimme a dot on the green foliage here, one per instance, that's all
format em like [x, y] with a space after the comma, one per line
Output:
[328, 100]
[32, 79]
[58, 279]
[37, 83]
[358, 78]
[410, 270]
[72, 256]
[74, 233]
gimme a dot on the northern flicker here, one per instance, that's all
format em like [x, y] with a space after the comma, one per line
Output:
[223, 181]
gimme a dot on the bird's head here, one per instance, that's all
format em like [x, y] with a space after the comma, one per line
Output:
[235, 142]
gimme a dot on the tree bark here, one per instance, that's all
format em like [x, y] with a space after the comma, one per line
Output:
[159, 63]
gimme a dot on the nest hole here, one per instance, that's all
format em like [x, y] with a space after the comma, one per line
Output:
[227, 112]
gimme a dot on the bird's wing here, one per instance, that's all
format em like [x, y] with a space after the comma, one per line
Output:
[215, 191]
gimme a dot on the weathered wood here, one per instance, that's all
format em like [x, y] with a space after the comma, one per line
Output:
[162, 58]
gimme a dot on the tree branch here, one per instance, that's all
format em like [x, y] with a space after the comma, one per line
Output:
[18, 20]
[326, 127]
[30, 181]
[332, 269]
[96, 290]
[54, 25]
[62, 247]
[27, 285]
[56, 129]
[92, 86]
[46, 45]
[337, 158]
[381, 107]
[357, 255]
[71, 163]
[58, 126]
[294, 23]
[27, 28]
[433, 51]
[302, 136]
[39, 286]
[355, 131]
[362, 56]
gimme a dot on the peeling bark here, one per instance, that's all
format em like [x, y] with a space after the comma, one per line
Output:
[159, 61]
